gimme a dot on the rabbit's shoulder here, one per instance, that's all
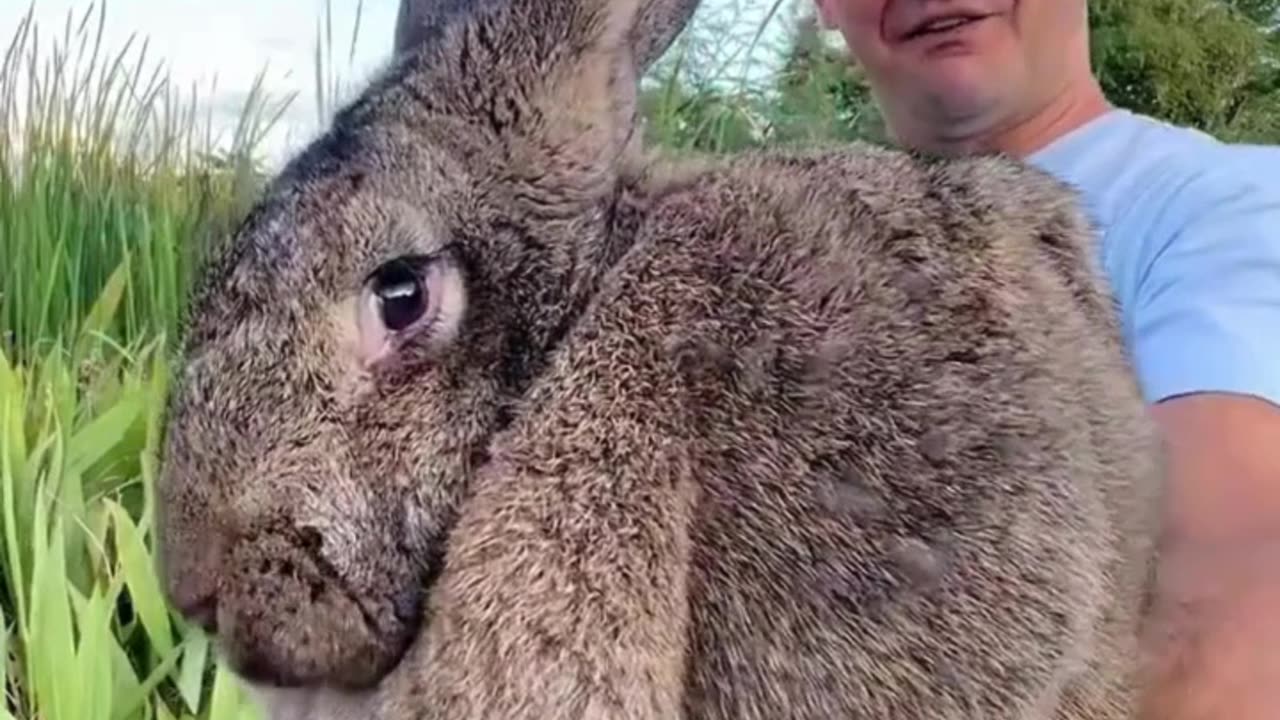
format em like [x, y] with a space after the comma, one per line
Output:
[909, 415]
[965, 292]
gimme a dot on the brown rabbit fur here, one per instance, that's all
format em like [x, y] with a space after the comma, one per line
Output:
[810, 434]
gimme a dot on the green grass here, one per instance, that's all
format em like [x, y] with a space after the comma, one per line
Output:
[105, 166]
[112, 192]
[86, 632]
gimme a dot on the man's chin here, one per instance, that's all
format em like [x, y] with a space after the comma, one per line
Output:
[313, 703]
[955, 114]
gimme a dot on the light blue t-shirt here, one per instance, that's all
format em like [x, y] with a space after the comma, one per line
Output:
[1191, 246]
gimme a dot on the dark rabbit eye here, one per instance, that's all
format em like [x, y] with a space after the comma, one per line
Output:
[410, 303]
[402, 296]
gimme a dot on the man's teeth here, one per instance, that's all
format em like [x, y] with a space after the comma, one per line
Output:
[944, 24]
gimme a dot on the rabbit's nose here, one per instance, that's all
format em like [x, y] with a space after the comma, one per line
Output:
[191, 567]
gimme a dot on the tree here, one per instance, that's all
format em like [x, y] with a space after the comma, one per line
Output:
[819, 94]
[1208, 64]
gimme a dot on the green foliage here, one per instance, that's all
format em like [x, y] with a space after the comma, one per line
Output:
[87, 634]
[821, 94]
[700, 96]
[112, 193]
[707, 97]
[1208, 64]
[104, 164]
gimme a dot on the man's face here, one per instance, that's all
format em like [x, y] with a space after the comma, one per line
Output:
[948, 69]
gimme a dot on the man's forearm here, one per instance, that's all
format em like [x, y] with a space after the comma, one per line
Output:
[1213, 637]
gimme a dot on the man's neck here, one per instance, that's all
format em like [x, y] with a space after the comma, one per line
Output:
[1077, 104]
[1066, 112]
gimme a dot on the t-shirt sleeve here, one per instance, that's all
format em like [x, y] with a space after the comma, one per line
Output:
[1207, 311]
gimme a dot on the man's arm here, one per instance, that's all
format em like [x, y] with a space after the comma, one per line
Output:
[1207, 345]
[1214, 633]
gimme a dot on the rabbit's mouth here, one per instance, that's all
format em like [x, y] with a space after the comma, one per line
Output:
[293, 621]
[313, 703]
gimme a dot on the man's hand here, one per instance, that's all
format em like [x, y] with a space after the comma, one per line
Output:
[1214, 631]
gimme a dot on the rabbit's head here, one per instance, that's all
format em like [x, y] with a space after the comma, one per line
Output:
[351, 353]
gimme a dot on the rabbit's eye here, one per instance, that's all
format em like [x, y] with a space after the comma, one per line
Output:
[401, 296]
[412, 301]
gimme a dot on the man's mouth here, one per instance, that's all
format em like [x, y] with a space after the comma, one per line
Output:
[940, 25]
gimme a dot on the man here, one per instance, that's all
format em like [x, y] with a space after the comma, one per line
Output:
[1191, 245]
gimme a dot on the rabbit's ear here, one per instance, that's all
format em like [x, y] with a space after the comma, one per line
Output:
[655, 26]
[407, 19]
[413, 19]
[658, 25]
[557, 79]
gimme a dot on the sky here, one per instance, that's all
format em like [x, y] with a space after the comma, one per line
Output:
[231, 41]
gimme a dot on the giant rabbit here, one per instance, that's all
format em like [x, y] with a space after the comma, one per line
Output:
[487, 413]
